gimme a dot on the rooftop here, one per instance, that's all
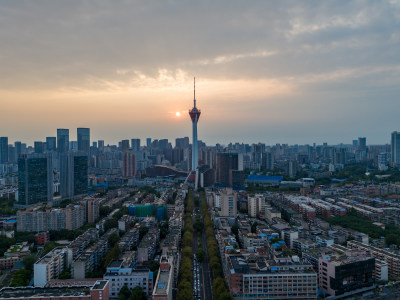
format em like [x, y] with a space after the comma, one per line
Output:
[29, 292]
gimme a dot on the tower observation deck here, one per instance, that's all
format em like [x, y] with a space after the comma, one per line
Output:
[194, 114]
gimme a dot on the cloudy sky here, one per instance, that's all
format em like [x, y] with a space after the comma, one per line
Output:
[266, 71]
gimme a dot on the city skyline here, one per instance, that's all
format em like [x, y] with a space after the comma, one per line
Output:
[267, 72]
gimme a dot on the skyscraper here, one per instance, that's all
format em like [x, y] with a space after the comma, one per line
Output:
[35, 179]
[51, 143]
[83, 135]
[73, 174]
[135, 143]
[38, 146]
[194, 115]
[362, 143]
[395, 147]
[62, 140]
[124, 145]
[101, 145]
[226, 165]
[3, 149]
[18, 148]
[128, 164]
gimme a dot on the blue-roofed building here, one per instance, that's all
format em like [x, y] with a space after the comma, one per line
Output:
[264, 180]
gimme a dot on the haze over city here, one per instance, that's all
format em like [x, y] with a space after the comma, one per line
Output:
[272, 72]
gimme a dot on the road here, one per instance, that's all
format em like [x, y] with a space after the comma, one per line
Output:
[206, 276]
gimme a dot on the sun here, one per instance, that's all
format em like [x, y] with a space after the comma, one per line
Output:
[178, 114]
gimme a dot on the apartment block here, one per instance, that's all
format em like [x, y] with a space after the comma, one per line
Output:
[51, 265]
[392, 259]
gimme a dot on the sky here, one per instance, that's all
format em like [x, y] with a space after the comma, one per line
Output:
[294, 72]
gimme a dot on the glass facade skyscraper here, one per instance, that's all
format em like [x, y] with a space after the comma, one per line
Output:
[3, 149]
[51, 143]
[35, 179]
[62, 140]
[73, 174]
[83, 135]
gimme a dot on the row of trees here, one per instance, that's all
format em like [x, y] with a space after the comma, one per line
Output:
[220, 290]
[185, 279]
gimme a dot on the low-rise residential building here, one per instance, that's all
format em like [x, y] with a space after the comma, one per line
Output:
[98, 290]
[165, 279]
[119, 275]
[91, 257]
[252, 277]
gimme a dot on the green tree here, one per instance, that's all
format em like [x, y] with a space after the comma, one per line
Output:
[66, 274]
[110, 223]
[104, 211]
[48, 247]
[21, 278]
[124, 293]
[235, 229]
[138, 294]
[113, 239]
[200, 254]
[112, 254]
[142, 231]
[29, 261]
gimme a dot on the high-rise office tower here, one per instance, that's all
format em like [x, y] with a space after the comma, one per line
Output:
[62, 140]
[38, 147]
[51, 143]
[35, 179]
[226, 165]
[3, 149]
[182, 142]
[395, 148]
[128, 164]
[362, 143]
[135, 143]
[83, 135]
[124, 145]
[18, 148]
[148, 142]
[73, 174]
[12, 154]
[194, 115]
[101, 145]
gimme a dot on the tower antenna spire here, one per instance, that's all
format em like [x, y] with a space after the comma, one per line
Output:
[194, 91]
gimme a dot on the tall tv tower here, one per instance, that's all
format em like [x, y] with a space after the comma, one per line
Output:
[194, 114]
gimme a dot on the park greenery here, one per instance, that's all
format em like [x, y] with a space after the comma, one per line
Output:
[7, 207]
[357, 222]
[23, 276]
